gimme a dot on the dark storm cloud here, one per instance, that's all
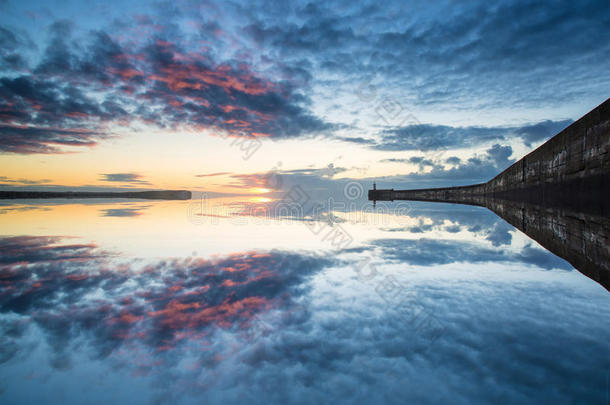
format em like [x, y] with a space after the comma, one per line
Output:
[425, 137]
[421, 161]
[500, 155]
[468, 55]
[541, 131]
[440, 137]
[190, 90]
[42, 278]
[39, 115]
[157, 82]
[25, 140]
[514, 53]
[11, 47]
[45, 102]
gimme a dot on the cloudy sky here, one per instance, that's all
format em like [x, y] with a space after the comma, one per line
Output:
[209, 95]
[214, 299]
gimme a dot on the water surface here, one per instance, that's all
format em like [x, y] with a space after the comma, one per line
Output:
[176, 302]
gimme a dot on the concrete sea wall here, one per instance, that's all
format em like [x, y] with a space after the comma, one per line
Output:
[572, 170]
[559, 194]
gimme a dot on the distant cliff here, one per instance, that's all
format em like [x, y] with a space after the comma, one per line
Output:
[147, 195]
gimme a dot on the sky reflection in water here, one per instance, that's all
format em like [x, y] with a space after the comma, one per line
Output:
[137, 302]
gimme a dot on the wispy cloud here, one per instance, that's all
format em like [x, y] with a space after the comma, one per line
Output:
[123, 212]
[26, 182]
[133, 178]
[213, 174]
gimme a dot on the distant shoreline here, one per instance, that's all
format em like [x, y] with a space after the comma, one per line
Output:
[147, 195]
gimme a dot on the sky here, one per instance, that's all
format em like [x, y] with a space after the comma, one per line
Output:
[259, 107]
[211, 96]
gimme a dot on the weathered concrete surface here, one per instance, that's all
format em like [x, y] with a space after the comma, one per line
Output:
[559, 194]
